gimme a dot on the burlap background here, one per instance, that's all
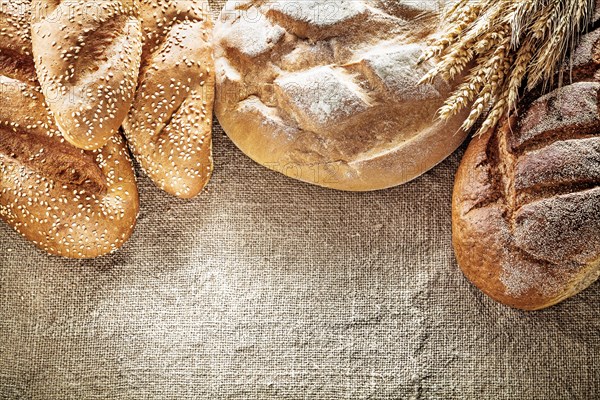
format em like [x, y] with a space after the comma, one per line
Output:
[266, 288]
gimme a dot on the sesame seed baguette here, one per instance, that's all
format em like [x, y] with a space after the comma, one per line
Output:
[169, 125]
[87, 56]
[67, 201]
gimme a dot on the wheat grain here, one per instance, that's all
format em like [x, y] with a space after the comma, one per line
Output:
[505, 43]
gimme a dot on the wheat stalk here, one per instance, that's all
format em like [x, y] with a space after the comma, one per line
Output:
[506, 44]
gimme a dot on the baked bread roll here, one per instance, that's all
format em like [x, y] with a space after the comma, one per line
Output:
[326, 92]
[87, 56]
[67, 201]
[526, 207]
[169, 125]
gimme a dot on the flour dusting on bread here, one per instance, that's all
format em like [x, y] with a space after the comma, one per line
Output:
[526, 232]
[340, 79]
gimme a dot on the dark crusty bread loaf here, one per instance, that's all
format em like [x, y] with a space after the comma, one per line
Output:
[87, 55]
[326, 91]
[169, 125]
[526, 209]
[67, 201]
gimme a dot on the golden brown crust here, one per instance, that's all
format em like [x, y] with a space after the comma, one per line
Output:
[526, 203]
[169, 125]
[67, 201]
[326, 92]
[71, 219]
[87, 56]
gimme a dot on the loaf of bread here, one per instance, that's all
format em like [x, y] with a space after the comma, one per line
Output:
[87, 56]
[67, 201]
[326, 92]
[526, 208]
[169, 125]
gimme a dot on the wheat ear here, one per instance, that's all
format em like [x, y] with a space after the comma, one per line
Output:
[497, 46]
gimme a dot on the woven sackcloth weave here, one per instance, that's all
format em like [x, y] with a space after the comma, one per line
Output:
[267, 288]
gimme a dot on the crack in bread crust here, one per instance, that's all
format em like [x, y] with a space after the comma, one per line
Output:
[526, 204]
[87, 57]
[67, 201]
[169, 125]
[63, 164]
[339, 84]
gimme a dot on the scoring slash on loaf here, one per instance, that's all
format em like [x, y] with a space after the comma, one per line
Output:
[68, 201]
[87, 56]
[169, 125]
[327, 92]
[526, 207]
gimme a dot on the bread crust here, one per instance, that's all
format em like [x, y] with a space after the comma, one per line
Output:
[485, 247]
[67, 201]
[326, 92]
[169, 125]
[526, 202]
[87, 57]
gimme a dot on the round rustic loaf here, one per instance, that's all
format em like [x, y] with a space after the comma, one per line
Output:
[326, 92]
[169, 125]
[526, 208]
[87, 55]
[67, 201]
